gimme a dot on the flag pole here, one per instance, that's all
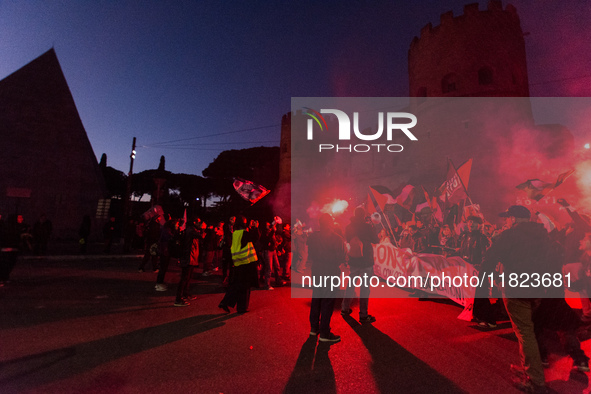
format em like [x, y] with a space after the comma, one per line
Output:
[463, 186]
[461, 181]
[557, 183]
[383, 214]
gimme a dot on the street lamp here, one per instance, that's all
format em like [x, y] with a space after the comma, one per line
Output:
[126, 204]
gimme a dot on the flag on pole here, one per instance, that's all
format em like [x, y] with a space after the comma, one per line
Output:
[455, 187]
[434, 205]
[562, 177]
[422, 206]
[546, 221]
[378, 201]
[381, 198]
[472, 210]
[406, 197]
[536, 189]
[437, 213]
[250, 191]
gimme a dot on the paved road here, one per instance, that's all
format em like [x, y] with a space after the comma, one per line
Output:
[98, 326]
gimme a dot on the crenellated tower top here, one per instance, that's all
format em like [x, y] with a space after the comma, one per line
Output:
[480, 53]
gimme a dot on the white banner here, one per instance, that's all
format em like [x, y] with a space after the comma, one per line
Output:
[390, 261]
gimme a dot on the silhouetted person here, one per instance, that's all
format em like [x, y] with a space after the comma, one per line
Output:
[326, 251]
[226, 254]
[473, 245]
[167, 238]
[25, 234]
[244, 274]
[10, 238]
[573, 234]
[109, 234]
[151, 239]
[555, 314]
[84, 233]
[359, 232]
[522, 249]
[188, 259]
[284, 254]
[41, 233]
[300, 247]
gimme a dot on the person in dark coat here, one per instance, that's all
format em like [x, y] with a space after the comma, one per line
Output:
[244, 260]
[360, 231]
[326, 252]
[554, 314]
[523, 249]
[473, 245]
[10, 238]
[84, 233]
[41, 233]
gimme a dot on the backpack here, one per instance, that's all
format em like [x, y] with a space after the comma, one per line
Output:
[355, 247]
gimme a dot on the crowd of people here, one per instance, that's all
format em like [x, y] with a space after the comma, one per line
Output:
[209, 246]
[252, 255]
[527, 243]
[18, 236]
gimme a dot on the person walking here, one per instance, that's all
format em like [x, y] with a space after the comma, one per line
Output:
[360, 235]
[9, 248]
[244, 274]
[84, 233]
[41, 233]
[326, 252]
[522, 249]
[188, 261]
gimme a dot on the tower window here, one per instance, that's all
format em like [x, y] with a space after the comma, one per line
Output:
[449, 83]
[485, 76]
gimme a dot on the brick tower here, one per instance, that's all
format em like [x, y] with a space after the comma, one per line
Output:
[477, 54]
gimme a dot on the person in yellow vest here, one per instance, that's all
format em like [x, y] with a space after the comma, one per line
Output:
[245, 271]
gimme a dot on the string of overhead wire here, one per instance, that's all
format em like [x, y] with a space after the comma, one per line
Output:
[199, 146]
[225, 144]
[167, 144]
[560, 80]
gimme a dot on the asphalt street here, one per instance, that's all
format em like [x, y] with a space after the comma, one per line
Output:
[96, 325]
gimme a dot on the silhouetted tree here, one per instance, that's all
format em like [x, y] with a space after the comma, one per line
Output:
[259, 165]
[103, 162]
[115, 180]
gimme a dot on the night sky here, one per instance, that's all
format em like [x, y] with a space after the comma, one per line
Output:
[190, 79]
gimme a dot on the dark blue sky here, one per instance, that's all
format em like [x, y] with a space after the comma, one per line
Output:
[194, 70]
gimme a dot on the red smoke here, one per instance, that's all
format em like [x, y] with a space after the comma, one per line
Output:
[557, 48]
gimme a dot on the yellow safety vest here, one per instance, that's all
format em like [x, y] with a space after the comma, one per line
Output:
[241, 256]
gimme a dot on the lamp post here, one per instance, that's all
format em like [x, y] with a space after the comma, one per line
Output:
[127, 204]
